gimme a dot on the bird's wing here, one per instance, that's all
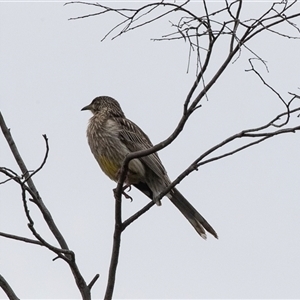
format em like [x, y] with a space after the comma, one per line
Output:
[135, 140]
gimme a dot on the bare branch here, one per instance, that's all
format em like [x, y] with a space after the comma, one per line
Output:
[7, 289]
[28, 186]
[137, 215]
[44, 160]
[273, 90]
[93, 281]
[267, 27]
[202, 32]
[21, 238]
[34, 193]
[9, 173]
[116, 242]
[262, 136]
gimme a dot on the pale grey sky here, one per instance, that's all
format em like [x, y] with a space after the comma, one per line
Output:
[51, 68]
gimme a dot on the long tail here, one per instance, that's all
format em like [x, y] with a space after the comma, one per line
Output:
[191, 214]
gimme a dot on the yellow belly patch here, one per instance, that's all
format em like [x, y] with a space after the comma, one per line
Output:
[109, 167]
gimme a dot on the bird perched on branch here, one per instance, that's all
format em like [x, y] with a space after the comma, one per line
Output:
[111, 136]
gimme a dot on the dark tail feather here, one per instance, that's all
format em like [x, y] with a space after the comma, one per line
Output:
[192, 215]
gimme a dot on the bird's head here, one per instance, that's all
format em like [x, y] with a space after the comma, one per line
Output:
[105, 104]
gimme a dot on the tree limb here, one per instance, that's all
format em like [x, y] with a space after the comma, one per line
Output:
[27, 185]
[37, 199]
[7, 289]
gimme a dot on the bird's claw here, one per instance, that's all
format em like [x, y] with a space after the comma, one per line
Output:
[125, 194]
[127, 187]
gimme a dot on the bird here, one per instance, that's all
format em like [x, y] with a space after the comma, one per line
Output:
[111, 137]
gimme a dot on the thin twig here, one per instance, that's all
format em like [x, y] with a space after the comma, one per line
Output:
[20, 238]
[243, 134]
[93, 281]
[44, 160]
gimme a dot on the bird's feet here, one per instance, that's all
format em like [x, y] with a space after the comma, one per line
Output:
[125, 194]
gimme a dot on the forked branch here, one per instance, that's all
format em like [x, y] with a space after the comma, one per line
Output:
[27, 187]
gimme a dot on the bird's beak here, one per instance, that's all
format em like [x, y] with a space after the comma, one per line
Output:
[88, 107]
